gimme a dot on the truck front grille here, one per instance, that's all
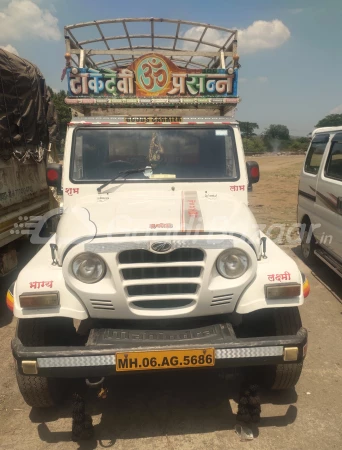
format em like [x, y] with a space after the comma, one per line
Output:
[161, 280]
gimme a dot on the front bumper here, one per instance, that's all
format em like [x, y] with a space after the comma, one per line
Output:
[98, 357]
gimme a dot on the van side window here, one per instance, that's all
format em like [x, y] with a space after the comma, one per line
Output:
[334, 164]
[315, 153]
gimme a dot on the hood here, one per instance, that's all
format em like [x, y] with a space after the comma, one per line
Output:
[157, 212]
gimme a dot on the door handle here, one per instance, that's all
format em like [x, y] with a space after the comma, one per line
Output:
[339, 205]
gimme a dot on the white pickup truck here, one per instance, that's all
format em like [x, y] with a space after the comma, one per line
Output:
[157, 262]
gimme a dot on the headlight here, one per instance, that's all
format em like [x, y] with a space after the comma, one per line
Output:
[88, 268]
[232, 263]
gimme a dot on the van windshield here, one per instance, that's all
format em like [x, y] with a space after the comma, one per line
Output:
[173, 154]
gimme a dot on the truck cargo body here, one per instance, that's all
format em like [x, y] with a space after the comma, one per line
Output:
[23, 194]
[28, 127]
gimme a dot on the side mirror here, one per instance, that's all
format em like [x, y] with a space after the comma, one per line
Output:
[253, 171]
[54, 176]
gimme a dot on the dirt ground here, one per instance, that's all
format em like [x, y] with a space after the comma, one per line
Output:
[274, 199]
[196, 411]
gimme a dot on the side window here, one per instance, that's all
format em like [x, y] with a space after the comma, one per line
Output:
[334, 164]
[315, 153]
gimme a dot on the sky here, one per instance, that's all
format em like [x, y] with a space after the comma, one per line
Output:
[290, 51]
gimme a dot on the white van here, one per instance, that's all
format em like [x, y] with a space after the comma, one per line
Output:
[320, 199]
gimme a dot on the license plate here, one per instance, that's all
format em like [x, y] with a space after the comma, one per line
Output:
[164, 359]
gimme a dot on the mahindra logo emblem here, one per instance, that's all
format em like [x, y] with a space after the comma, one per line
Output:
[161, 247]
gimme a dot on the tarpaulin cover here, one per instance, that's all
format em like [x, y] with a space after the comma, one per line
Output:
[28, 119]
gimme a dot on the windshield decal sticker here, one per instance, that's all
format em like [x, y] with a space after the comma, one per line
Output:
[191, 215]
[221, 132]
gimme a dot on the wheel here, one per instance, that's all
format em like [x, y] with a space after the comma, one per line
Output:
[284, 376]
[38, 392]
[308, 244]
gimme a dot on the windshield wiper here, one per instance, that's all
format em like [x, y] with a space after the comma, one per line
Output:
[122, 174]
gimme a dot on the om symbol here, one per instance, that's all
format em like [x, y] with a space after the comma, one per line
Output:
[152, 74]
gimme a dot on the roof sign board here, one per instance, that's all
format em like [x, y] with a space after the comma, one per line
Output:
[153, 76]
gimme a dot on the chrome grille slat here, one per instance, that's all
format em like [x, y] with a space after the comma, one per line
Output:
[162, 297]
[138, 273]
[161, 289]
[144, 256]
[162, 304]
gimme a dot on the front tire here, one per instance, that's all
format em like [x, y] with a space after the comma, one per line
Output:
[308, 244]
[287, 321]
[38, 392]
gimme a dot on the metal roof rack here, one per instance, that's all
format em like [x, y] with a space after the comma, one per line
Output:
[188, 50]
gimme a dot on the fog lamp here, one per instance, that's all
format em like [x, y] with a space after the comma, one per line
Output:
[42, 300]
[280, 291]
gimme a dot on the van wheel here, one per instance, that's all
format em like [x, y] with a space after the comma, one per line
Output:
[287, 321]
[308, 245]
[38, 392]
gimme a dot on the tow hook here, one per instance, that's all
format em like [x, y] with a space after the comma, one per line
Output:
[103, 392]
[94, 383]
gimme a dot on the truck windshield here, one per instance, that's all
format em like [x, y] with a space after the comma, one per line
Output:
[173, 154]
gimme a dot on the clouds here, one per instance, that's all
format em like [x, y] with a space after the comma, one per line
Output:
[261, 35]
[337, 110]
[262, 79]
[24, 19]
[10, 48]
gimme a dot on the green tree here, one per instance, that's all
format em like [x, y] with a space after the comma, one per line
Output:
[253, 145]
[331, 120]
[248, 129]
[280, 132]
